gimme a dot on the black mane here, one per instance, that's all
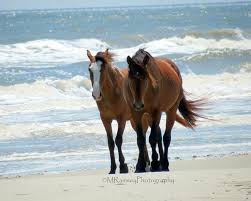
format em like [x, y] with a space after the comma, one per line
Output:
[100, 57]
[140, 55]
[104, 57]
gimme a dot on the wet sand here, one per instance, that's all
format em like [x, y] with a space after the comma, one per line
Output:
[227, 178]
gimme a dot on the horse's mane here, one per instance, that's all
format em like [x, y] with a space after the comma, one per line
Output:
[105, 56]
[152, 70]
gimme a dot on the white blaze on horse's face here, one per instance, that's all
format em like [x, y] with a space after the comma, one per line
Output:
[95, 68]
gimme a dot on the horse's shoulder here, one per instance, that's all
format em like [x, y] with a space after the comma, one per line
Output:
[124, 71]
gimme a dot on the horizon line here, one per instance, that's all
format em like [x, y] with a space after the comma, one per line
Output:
[129, 6]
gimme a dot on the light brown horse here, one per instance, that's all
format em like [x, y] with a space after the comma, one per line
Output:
[107, 82]
[154, 85]
[107, 91]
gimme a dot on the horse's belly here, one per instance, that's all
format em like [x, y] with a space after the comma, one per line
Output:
[169, 95]
[114, 112]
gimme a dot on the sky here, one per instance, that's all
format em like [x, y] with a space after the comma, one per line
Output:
[52, 4]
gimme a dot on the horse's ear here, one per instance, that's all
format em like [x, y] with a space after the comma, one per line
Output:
[146, 60]
[90, 56]
[129, 60]
[107, 52]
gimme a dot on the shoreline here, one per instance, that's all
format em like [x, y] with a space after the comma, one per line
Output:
[225, 178]
[175, 160]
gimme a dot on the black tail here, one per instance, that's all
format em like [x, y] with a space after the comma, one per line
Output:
[189, 110]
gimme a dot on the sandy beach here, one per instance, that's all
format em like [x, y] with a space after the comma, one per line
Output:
[227, 178]
[53, 143]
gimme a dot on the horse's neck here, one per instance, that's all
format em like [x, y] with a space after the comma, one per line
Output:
[154, 75]
[113, 77]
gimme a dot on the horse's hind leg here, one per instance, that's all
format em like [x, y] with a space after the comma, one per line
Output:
[160, 146]
[141, 142]
[119, 140]
[148, 163]
[153, 139]
[171, 116]
[108, 128]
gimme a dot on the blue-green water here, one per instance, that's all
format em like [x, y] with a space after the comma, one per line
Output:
[48, 119]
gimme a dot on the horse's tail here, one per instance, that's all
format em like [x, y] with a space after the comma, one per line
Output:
[182, 121]
[189, 110]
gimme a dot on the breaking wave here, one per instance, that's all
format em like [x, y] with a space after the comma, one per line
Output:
[49, 52]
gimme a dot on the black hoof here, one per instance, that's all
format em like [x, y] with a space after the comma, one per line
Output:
[155, 166]
[112, 171]
[148, 168]
[123, 168]
[165, 166]
[140, 171]
[140, 168]
[166, 169]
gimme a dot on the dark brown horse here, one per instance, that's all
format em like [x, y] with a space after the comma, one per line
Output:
[107, 91]
[154, 85]
[107, 82]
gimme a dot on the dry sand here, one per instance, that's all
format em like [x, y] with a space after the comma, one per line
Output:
[227, 178]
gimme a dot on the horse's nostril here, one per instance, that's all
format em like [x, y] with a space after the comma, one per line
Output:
[93, 96]
[138, 106]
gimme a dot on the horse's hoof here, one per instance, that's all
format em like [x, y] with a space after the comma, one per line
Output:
[123, 168]
[148, 168]
[166, 169]
[155, 166]
[140, 168]
[140, 171]
[112, 171]
[165, 166]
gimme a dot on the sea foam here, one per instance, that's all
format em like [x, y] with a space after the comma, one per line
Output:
[50, 53]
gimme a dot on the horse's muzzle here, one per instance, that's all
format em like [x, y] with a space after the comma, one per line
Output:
[99, 98]
[138, 106]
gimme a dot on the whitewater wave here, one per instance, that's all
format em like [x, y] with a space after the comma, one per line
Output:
[215, 54]
[75, 93]
[219, 34]
[95, 127]
[47, 155]
[48, 53]
[219, 86]
[66, 106]
[46, 95]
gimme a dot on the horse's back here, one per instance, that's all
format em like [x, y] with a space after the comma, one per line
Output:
[170, 83]
[173, 65]
[168, 71]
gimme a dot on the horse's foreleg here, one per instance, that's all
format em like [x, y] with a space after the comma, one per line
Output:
[108, 128]
[119, 140]
[153, 139]
[171, 116]
[141, 142]
[145, 124]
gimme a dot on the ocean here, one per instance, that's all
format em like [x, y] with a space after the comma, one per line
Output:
[50, 123]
